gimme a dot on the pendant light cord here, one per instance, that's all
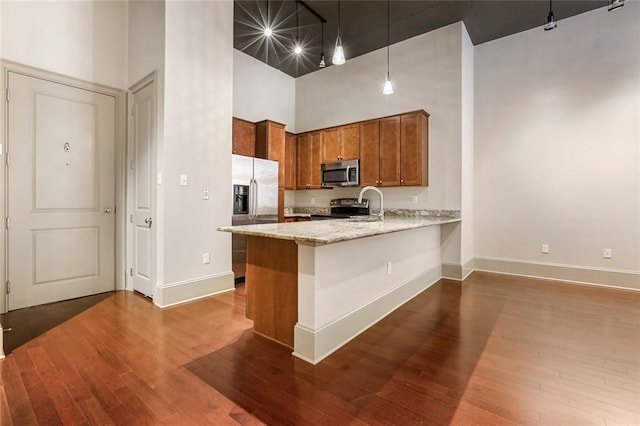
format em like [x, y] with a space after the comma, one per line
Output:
[298, 26]
[339, 18]
[388, 36]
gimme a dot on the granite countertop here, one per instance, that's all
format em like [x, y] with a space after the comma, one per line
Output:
[333, 231]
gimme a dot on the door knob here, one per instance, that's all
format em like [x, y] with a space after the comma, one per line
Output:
[107, 210]
[148, 221]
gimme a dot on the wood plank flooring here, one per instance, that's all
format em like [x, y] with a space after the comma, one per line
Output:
[493, 350]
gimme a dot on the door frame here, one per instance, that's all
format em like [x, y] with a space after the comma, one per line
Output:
[149, 79]
[119, 175]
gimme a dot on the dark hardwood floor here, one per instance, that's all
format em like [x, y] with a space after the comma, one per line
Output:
[493, 350]
[24, 325]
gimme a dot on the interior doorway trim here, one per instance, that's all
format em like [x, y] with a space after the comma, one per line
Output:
[120, 146]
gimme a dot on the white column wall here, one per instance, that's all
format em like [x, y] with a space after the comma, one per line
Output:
[557, 141]
[197, 143]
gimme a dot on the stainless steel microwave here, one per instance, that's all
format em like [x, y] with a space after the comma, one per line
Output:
[340, 173]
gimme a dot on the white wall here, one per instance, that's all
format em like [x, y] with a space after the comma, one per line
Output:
[146, 39]
[426, 74]
[261, 92]
[197, 141]
[467, 151]
[557, 137]
[85, 40]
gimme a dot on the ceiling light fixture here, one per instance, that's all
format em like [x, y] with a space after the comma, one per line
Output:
[268, 31]
[551, 20]
[322, 63]
[615, 4]
[338, 53]
[297, 49]
[388, 87]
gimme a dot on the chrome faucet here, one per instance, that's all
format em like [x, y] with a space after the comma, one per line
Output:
[365, 189]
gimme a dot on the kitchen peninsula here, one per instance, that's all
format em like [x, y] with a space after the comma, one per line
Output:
[313, 286]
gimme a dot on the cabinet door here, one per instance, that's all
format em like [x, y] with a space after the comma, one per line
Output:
[276, 148]
[304, 161]
[244, 137]
[331, 144]
[316, 159]
[413, 149]
[350, 142]
[390, 151]
[369, 152]
[290, 161]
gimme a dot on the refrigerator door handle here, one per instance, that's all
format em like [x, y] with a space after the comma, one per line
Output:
[253, 199]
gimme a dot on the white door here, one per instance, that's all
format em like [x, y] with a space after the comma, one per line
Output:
[60, 197]
[141, 189]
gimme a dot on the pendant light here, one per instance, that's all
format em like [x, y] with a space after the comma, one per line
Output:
[551, 20]
[297, 49]
[268, 31]
[322, 63]
[615, 4]
[388, 87]
[338, 53]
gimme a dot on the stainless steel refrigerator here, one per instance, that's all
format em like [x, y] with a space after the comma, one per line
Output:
[255, 200]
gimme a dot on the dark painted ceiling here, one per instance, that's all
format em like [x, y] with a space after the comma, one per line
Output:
[364, 25]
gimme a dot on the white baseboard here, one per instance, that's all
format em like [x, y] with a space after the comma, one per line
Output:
[187, 291]
[313, 346]
[613, 278]
[456, 271]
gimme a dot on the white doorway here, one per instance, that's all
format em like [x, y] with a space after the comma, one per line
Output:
[141, 187]
[60, 191]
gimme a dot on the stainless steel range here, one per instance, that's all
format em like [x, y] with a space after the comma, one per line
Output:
[342, 208]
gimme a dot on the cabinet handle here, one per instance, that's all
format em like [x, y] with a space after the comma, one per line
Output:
[401, 180]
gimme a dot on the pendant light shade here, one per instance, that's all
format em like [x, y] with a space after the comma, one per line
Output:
[387, 89]
[551, 20]
[615, 4]
[338, 53]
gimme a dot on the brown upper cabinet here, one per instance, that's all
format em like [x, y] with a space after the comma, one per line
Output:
[394, 150]
[244, 137]
[290, 160]
[341, 143]
[369, 153]
[414, 149]
[270, 145]
[309, 160]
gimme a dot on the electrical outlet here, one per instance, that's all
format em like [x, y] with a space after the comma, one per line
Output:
[388, 268]
[205, 258]
[313, 200]
[205, 194]
[414, 199]
[545, 248]
[184, 180]
[607, 253]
